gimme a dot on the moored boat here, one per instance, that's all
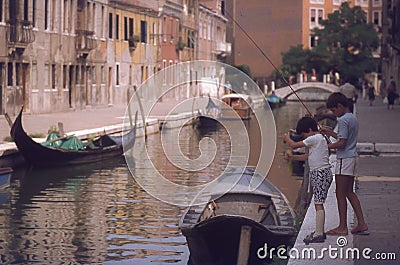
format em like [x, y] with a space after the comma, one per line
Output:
[39, 155]
[208, 118]
[237, 106]
[274, 101]
[214, 230]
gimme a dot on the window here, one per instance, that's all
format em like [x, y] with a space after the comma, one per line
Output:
[102, 21]
[103, 75]
[34, 77]
[317, 1]
[71, 15]
[377, 18]
[164, 74]
[53, 15]
[26, 10]
[164, 33]
[131, 27]
[34, 13]
[154, 34]
[377, 3]
[1, 11]
[338, 2]
[9, 74]
[208, 31]
[117, 75]
[65, 24]
[88, 16]
[320, 15]
[46, 14]
[172, 30]
[200, 30]
[117, 27]
[313, 41]
[77, 75]
[94, 18]
[94, 82]
[65, 73]
[126, 37]
[130, 75]
[313, 16]
[316, 16]
[53, 76]
[143, 31]
[110, 25]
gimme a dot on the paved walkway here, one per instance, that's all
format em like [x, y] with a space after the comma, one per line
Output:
[378, 189]
[92, 117]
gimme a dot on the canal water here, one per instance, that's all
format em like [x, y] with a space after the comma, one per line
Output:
[98, 214]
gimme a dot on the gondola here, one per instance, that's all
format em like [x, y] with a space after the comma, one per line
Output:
[214, 230]
[208, 118]
[41, 156]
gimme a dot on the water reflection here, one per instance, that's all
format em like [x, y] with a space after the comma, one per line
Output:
[98, 214]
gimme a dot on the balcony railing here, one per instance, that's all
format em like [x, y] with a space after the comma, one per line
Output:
[20, 32]
[85, 41]
[223, 48]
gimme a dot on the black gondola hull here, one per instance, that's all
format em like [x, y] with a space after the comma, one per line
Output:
[42, 156]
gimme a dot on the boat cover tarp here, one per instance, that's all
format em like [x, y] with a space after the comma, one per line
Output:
[55, 140]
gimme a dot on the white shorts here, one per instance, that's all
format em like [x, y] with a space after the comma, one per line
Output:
[346, 166]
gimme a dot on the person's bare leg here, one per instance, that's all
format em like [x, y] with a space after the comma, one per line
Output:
[355, 203]
[341, 191]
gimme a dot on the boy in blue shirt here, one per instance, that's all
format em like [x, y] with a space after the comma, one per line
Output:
[345, 165]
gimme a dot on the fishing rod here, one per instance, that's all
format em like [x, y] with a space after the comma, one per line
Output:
[276, 69]
[269, 60]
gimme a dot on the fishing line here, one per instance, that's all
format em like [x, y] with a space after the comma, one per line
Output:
[276, 68]
[269, 60]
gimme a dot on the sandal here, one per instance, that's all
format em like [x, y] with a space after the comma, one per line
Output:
[312, 235]
[313, 239]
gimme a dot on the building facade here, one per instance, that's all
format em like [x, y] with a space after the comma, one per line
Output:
[274, 25]
[57, 55]
[277, 25]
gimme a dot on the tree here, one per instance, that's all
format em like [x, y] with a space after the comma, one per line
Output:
[347, 41]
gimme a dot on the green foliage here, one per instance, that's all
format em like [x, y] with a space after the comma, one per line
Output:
[8, 139]
[37, 135]
[348, 41]
[244, 68]
[345, 41]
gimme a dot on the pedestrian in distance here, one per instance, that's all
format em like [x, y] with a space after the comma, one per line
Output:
[320, 170]
[391, 93]
[346, 155]
[371, 93]
[350, 92]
